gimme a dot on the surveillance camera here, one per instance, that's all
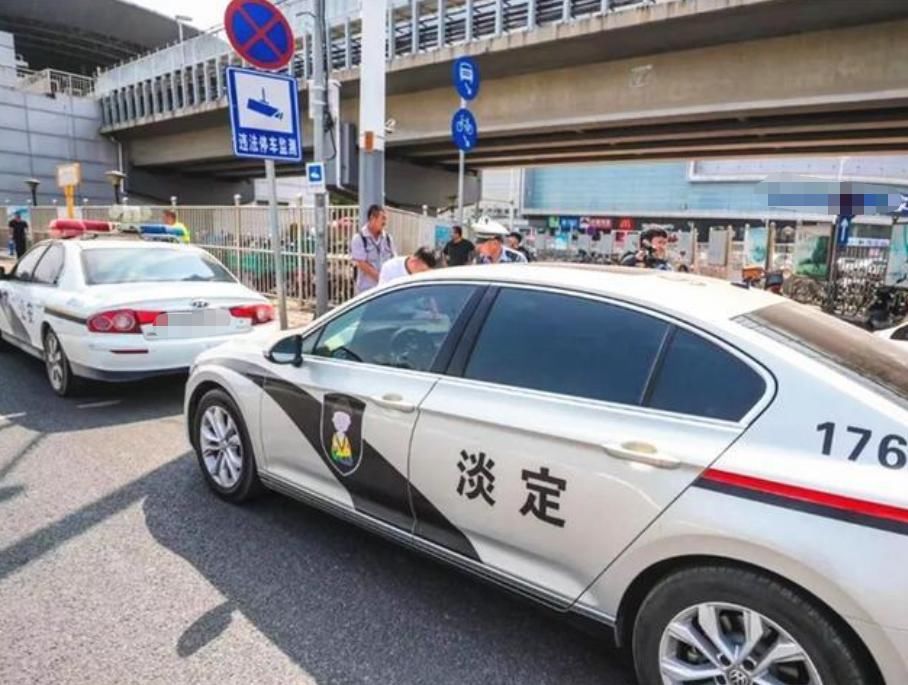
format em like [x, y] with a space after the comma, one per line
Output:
[390, 126]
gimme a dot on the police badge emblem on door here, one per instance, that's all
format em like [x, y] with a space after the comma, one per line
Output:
[342, 432]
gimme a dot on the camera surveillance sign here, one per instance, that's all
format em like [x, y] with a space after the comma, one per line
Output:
[264, 115]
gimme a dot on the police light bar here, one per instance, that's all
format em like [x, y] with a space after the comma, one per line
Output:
[78, 228]
[160, 232]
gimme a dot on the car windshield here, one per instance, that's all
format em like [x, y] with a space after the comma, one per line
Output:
[151, 265]
[847, 347]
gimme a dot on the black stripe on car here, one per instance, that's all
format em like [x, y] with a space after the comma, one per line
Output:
[376, 487]
[65, 316]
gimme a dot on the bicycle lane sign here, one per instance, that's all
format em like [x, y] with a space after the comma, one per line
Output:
[464, 130]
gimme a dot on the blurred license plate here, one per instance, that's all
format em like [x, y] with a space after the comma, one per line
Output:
[192, 324]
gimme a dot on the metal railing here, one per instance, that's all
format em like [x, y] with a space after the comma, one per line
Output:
[239, 237]
[53, 82]
[182, 77]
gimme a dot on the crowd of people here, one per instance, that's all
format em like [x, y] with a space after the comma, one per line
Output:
[377, 263]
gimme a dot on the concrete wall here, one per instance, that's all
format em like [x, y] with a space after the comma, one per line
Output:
[7, 60]
[38, 132]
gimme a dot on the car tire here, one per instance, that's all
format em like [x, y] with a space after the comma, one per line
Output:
[722, 598]
[59, 372]
[223, 448]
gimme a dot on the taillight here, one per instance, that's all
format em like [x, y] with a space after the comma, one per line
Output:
[121, 321]
[257, 313]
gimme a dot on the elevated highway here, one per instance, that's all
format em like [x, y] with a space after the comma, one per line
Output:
[572, 81]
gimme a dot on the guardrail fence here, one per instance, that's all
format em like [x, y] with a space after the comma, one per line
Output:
[240, 238]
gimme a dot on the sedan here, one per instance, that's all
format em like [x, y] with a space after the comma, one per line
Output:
[121, 310]
[718, 475]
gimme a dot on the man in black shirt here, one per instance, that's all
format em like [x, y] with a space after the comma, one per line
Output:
[18, 228]
[459, 251]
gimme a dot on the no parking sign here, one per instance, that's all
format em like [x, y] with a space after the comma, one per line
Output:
[260, 33]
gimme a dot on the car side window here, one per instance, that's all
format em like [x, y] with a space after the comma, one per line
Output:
[26, 266]
[403, 329]
[567, 345]
[50, 266]
[699, 378]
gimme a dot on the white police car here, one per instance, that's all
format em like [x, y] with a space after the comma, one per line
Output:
[121, 310]
[718, 474]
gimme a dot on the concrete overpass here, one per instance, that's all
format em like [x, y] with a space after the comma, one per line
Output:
[569, 81]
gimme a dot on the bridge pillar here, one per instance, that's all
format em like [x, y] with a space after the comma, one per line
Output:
[372, 106]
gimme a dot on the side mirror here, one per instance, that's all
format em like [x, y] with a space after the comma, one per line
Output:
[288, 352]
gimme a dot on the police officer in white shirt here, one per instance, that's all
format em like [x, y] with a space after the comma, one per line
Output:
[423, 259]
[490, 248]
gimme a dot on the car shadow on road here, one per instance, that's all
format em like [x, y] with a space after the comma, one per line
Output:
[349, 607]
[27, 400]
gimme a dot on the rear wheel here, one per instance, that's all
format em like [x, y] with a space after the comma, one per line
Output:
[729, 626]
[59, 371]
[223, 448]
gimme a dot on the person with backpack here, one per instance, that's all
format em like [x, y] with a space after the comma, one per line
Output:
[370, 248]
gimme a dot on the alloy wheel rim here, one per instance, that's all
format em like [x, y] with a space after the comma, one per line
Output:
[222, 449]
[726, 644]
[54, 355]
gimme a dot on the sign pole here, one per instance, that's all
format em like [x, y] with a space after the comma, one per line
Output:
[318, 93]
[461, 171]
[276, 247]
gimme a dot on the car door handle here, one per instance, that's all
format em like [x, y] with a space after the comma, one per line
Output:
[394, 402]
[642, 453]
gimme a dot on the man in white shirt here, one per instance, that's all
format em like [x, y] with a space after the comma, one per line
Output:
[401, 267]
[370, 249]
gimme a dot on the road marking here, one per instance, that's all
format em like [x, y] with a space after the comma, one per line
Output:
[10, 417]
[99, 405]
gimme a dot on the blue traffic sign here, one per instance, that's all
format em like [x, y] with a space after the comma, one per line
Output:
[466, 77]
[843, 229]
[315, 176]
[264, 115]
[464, 130]
[260, 33]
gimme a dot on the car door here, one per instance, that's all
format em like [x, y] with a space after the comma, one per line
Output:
[42, 288]
[18, 318]
[570, 425]
[340, 424]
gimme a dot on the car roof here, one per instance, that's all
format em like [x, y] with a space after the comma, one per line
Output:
[686, 295]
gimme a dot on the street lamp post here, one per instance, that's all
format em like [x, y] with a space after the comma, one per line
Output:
[182, 19]
[116, 179]
[33, 184]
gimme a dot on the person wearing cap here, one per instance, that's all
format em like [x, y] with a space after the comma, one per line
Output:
[490, 247]
[515, 242]
[423, 259]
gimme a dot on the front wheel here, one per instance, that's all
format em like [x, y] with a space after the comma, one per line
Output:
[223, 448]
[59, 371]
[730, 626]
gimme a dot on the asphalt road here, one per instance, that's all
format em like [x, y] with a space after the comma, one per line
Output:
[118, 566]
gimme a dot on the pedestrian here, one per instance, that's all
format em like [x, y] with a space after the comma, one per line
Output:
[423, 259]
[515, 242]
[172, 223]
[459, 251]
[491, 249]
[370, 248]
[653, 252]
[18, 228]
